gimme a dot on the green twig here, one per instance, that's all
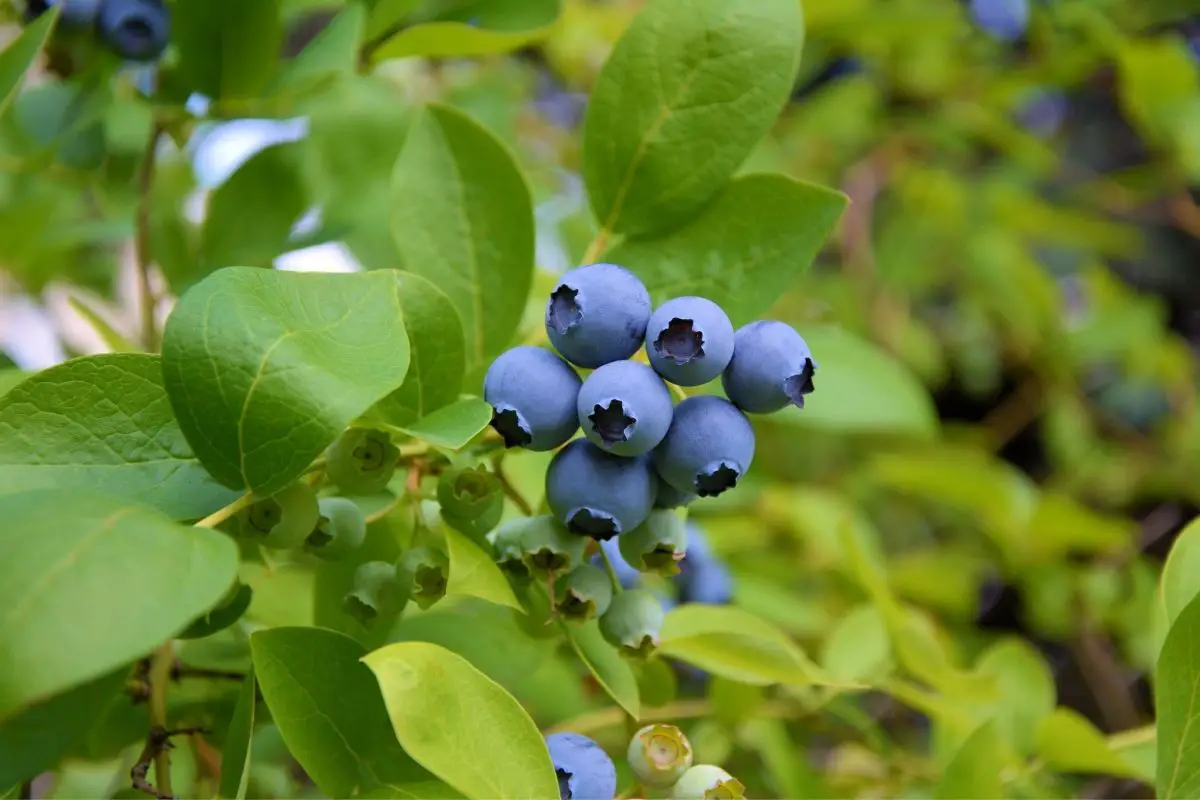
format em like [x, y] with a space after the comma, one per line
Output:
[511, 491]
[220, 515]
[145, 184]
[612, 572]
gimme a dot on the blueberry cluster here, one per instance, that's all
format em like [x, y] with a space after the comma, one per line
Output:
[660, 757]
[640, 451]
[135, 30]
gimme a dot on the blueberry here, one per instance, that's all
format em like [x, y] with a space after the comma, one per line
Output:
[597, 494]
[340, 529]
[423, 573]
[361, 461]
[702, 578]
[627, 575]
[707, 782]
[584, 770]
[689, 340]
[597, 314]
[136, 30]
[532, 393]
[624, 408]
[282, 520]
[584, 593]
[670, 497]
[708, 449]
[659, 755]
[539, 547]
[376, 593]
[632, 623]
[657, 545]
[1003, 19]
[771, 368]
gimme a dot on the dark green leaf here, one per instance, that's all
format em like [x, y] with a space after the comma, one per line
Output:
[604, 662]
[744, 250]
[236, 754]
[20, 54]
[689, 90]
[251, 215]
[327, 706]
[36, 738]
[1177, 698]
[462, 726]
[103, 422]
[222, 616]
[438, 358]
[85, 573]
[228, 49]
[265, 368]
[462, 217]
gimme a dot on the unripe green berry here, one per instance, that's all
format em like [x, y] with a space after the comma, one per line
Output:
[471, 500]
[424, 572]
[340, 530]
[510, 555]
[657, 545]
[706, 782]
[547, 549]
[361, 461]
[632, 623]
[376, 593]
[583, 593]
[659, 755]
[282, 520]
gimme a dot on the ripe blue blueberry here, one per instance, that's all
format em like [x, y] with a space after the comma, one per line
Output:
[532, 393]
[136, 30]
[689, 340]
[584, 770]
[624, 408]
[1002, 19]
[771, 367]
[708, 449]
[596, 494]
[702, 578]
[670, 497]
[597, 314]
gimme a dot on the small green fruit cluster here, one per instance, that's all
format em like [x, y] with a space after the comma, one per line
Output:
[660, 756]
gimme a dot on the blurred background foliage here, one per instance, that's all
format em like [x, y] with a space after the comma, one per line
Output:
[1005, 439]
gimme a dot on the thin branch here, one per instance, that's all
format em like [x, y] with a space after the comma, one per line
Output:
[158, 743]
[597, 246]
[220, 515]
[158, 740]
[612, 571]
[510, 491]
[180, 671]
[145, 183]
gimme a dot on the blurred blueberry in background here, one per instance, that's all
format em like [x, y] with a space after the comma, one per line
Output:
[1042, 112]
[1001, 19]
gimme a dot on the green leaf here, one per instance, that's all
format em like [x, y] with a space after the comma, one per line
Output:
[613, 672]
[357, 127]
[35, 739]
[474, 28]
[425, 790]
[858, 648]
[1138, 747]
[235, 755]
[85, 573]
[462, 217]
[1067, 742]
[452, 427]
[744, 250]
[387, 14]
[1177, 689]
[113, 340]
[732, 643]
[690, 89]
[1180, 580]
[974, 772]
[1026, 689]
[333, 51]
[11, 377]
[250, 216]
[461, 725]
[222, 616]
[328, 709]
[21, 53]
[266, 368]
[860, 389]
[228, 49]
[103, 422]
[438, 355]
[473, 573]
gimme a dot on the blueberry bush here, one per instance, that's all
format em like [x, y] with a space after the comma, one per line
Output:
[576, 399]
